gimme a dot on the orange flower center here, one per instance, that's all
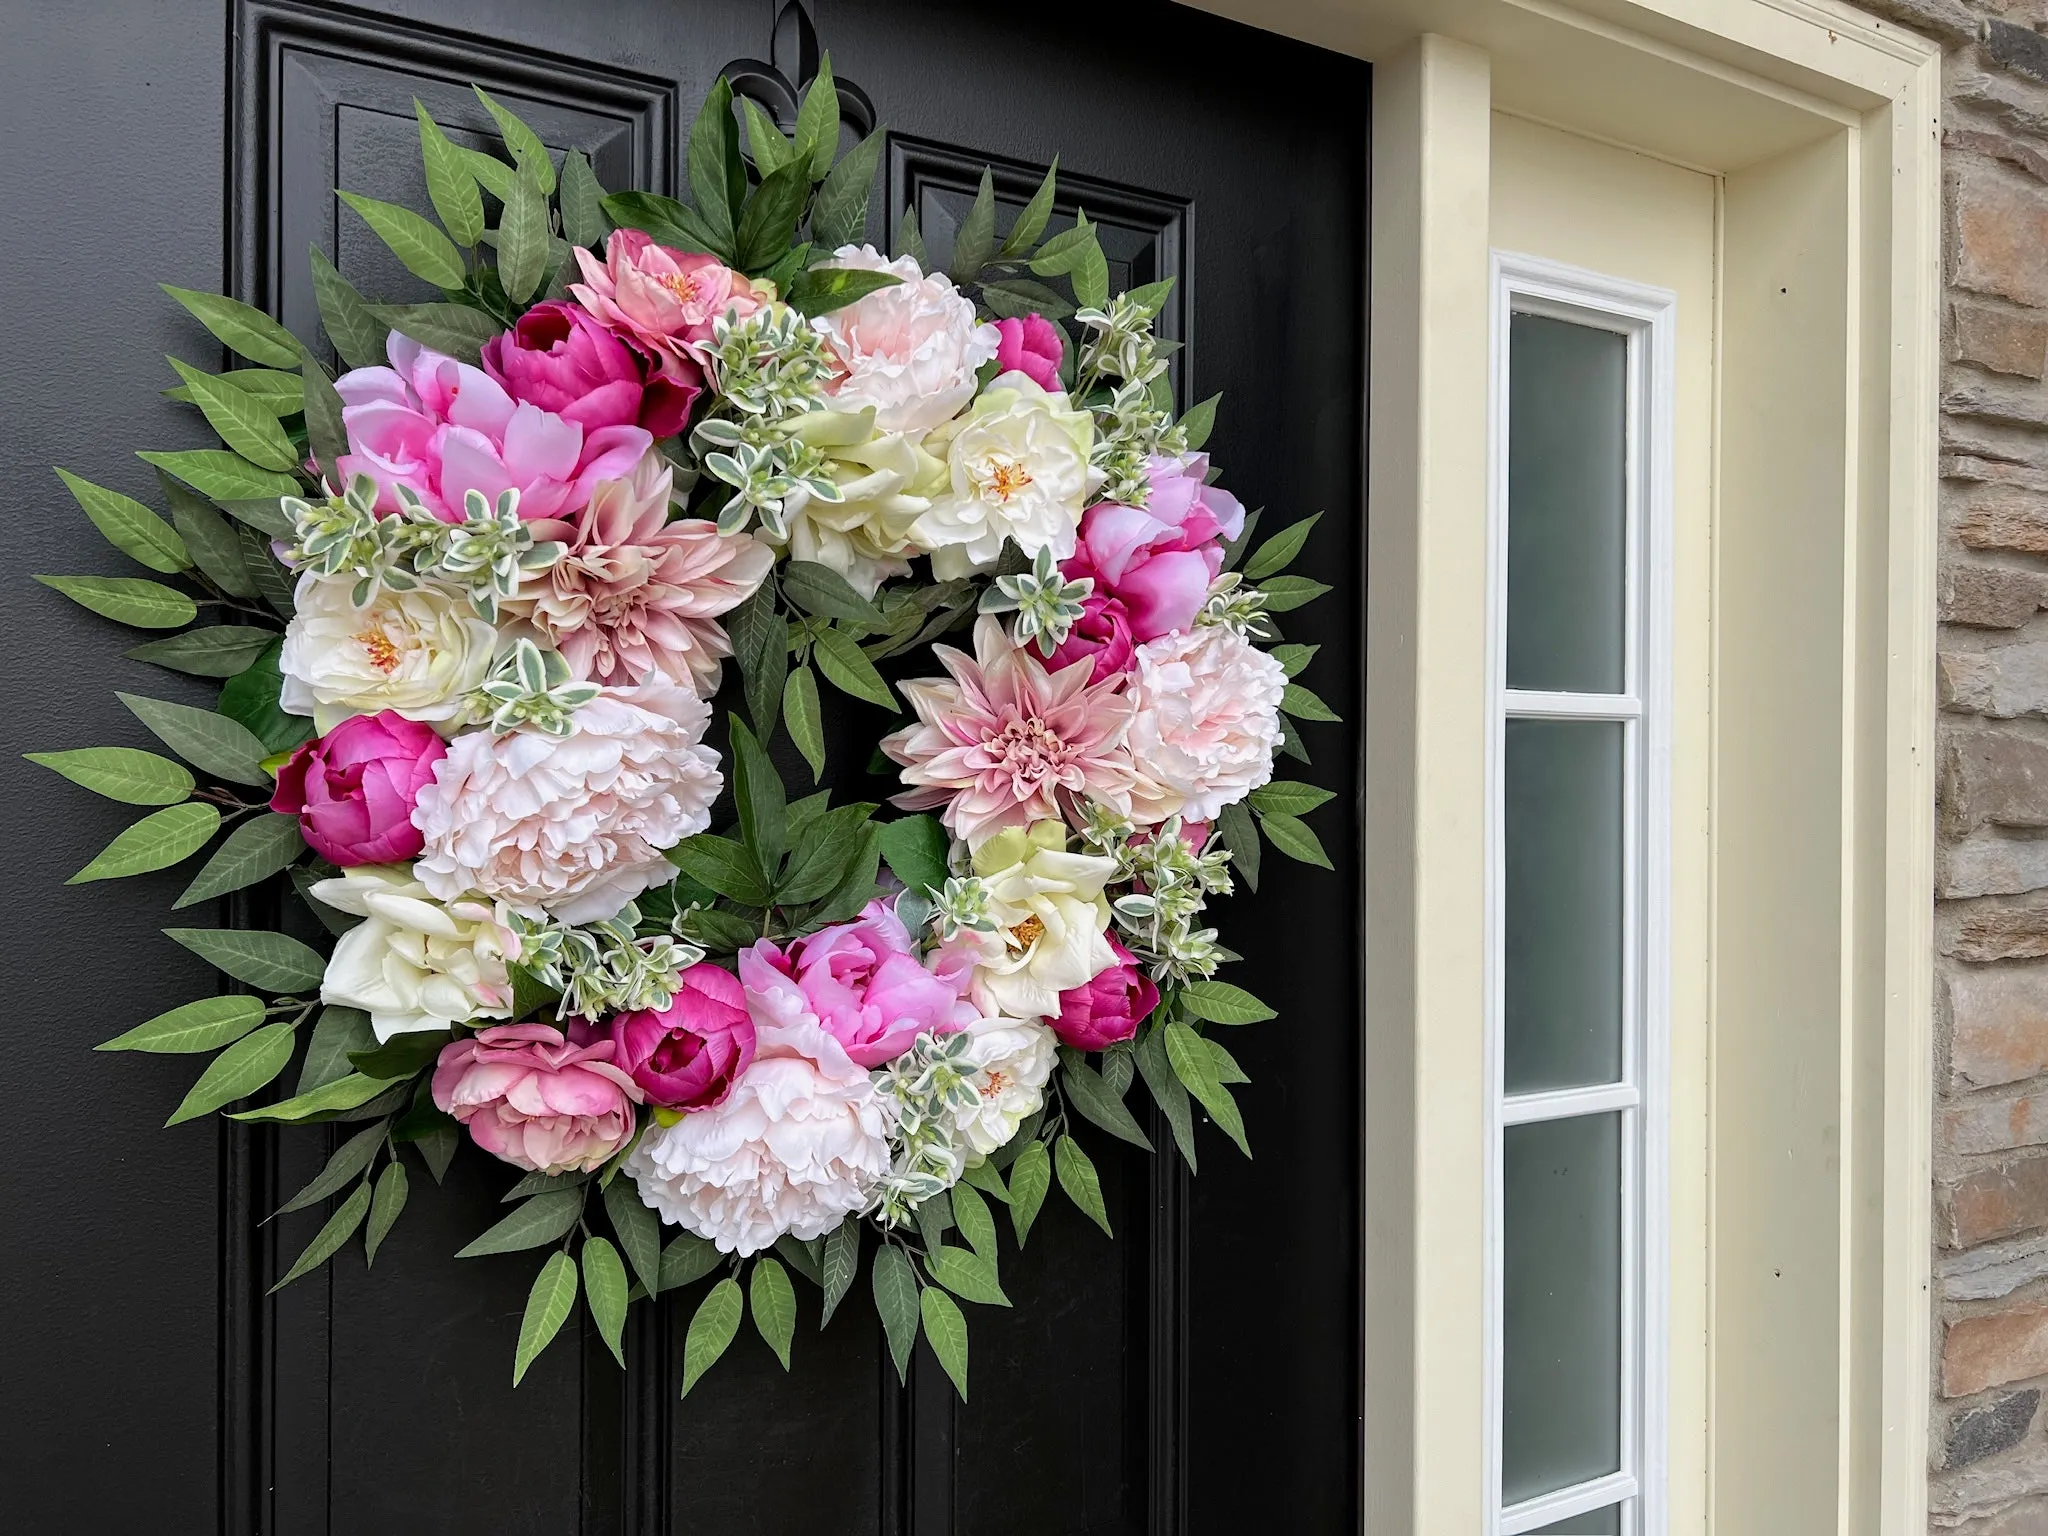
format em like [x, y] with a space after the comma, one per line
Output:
[994, 1083]
[378, 647]
[1001, 478]
[1026, 933]
[682, 284]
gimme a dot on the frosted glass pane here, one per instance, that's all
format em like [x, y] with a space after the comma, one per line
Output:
[1563, 835]
[1597, 1522]
[1567, 485]
[1561, 1295]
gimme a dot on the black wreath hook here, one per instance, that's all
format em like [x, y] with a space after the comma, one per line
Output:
[778, 86]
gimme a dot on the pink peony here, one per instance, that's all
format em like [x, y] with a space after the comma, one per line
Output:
[444, 428]
[637, 594]
[1103, 632]
[1158, 561]
[535, 1100]
[910, 350]
[1109, 1008]
[864, 983]
[1031, 346]
[663, 300]
[1206, 725]
[1004, 743]
[561, 359]
[687, 1055]
[353, 789]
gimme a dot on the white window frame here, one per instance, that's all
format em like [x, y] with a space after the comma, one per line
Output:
[1646, 316]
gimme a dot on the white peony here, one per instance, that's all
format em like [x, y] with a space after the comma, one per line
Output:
[801, 1140]
[1206, 725]
[1013, 1058]
[417, 652]
[1050, 916]
[414, 963]
[1017, 467]
[571, 826]
[910, 350]
[885, 483]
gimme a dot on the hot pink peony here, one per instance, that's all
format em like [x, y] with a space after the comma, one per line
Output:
[560, 358]
[353, 789]
[444, 428]
[637, 594]
[661, 299]
[1102, 633]
[864, 983]
[1031, 346]
[1158, 561]
[687, 1055]
[1004, 743]
[535, 1100]
[1109, 1008]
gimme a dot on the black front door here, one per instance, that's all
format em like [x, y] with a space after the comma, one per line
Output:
[1200, 1373]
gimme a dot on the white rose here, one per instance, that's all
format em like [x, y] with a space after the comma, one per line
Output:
[910, 350]
[885, 483]
[1050, 916]
[1206, 725]
[1012, 1058]
[418, 652]
[1017, 467]
[414, 963]
[571, 826]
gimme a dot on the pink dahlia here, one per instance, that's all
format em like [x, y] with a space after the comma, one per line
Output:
[1004, 743]
[444, 428]
[637, 594]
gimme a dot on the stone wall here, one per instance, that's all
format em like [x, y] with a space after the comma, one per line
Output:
[1989, 1450]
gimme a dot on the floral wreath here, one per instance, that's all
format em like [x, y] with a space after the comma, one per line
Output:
[509, 552]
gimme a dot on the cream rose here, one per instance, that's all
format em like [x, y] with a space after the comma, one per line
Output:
[571, 826]
[886, 482]
[1050, 916]
[1012, 1061]
[1206, 725]
[1017, 467]
[910, 350]
[418, 652]
[415, 963]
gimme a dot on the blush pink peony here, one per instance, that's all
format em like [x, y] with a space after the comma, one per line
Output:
[662, 300]
[560, 358]
[1206, 725]
[1003, 743]
[443, 429]
[536, 1100]
[909, 350]
[1157, 561]
[687, 1055]
[1031, 346]
[353, 789]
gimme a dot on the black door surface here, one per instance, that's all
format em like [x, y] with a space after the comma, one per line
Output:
[1199, 1374]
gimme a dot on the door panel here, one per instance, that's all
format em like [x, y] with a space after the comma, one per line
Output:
[1197, 1373]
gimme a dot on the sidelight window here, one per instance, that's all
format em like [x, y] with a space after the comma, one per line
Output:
[1576, 901]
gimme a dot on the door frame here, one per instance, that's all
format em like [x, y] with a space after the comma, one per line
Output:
[1822, 125]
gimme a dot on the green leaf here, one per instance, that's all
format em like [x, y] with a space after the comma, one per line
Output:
[1199, 421]
[548, 1306]
[1234, 549]
[336, 1033]
[1241, 835]
[1286, 593]
[1152, 297]
[582, 201]
[975, 241]
[209, 742]
[206, 1025]
[348, 1092]
[1290, 741]
[840, 215]
[1196, 1069]
[760, 642]
[358, 335]
[526, 146]
[801, 712]
[1168, 1094]
[130, 526]
[255, 514]
[402, 1055]
[254, 851]
[817, 121]
[207, 538]
[847, 668]
[666, 220]
[1304, 705]
[714, 142]
[723, 865]
[773, 1301]
[243, 424]
[917, 848]
[895, 1284]
[1031, 222]
[687, 1258]
[492, 174]
[1289, 798]
[349, 1159]
[1221, 1003]
[531, 1224]
[768, 224]
[604, 1285]
[279, 393]
[638, 1229]
[1293, 837]
[393, 1184]
[1014, 297]
[853, 892]
[127, 774]
[711, 1331]
[426, 252]
[251, 699]
[222, 650]
[1030, 1177]
[157, 841]
[326, 434]
[523, 240]
[838, 1263]
[1097, 1101]
[127, 599]
[240, 328]
[771, 150]
[1078, 254]
[455, 329]
[1278, 552]
[946, 1331]
[1227, 1069]
[450, 186]
[1078, 1178]
[274, 586]
[237, 1072]
[825, 855]
[987, 1178]
[820, 290]
[820, 590]
[340, 1227]
[762, 802]
[222, 476]
[971, 1215]
[270, 962]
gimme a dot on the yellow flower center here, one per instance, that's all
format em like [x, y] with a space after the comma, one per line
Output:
[1026, 933]
[682, 284]
[378, 647]
[1000, 478]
